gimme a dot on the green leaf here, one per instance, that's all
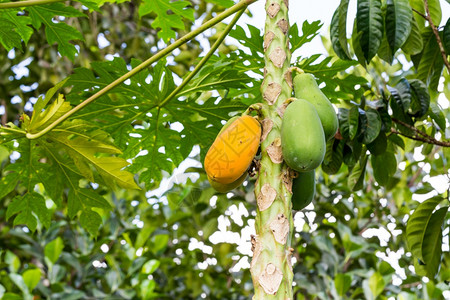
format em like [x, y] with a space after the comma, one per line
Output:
[446, 36]
[333, 157]
[353, 121]
[150, 266]
[376, 284]
[309, 32]
[80, 198]
[437, 115]
[400, 102]
[31, 278]
[20, 283]
[420, 100]
[435, 11]
[84, 147]
[336, 35]
[54, 249]
[342, 283]
[369, 22]
[343, 116]
[398, 23]
[224, 3]
[91, 221]
[356, 178]
[24, 206]
[20, 22]
[370, 125]
[254, 42]
[59, 33]
[41, 119]
[384, 167]
[166, 21]
[414, 43]
[9, 38]
[432, 242]
[379, 145]
[418, 224]
[8, 183]
[429, 68]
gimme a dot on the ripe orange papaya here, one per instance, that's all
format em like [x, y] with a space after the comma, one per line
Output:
[233, 150]
[226, 187]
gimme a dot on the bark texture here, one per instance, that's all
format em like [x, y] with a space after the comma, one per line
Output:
[271, 263]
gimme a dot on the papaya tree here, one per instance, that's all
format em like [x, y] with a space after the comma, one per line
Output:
[116, 118]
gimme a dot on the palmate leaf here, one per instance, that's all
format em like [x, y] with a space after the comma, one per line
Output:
[59, 33]
[166, 21]
[20, 23]
[24, 206]
[254, 42]
[369, 21]
[309, 32]
[9, 37]
[84, 146]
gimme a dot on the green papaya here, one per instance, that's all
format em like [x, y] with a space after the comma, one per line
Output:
[305, 87]
[302, 137]
[226, 187]
[303, 189]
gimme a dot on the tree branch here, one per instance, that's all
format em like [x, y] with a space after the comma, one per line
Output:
[19, 4]
[425, 138]
[235, 8]
[436, 33]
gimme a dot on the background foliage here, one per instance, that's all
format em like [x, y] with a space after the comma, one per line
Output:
[90, 210]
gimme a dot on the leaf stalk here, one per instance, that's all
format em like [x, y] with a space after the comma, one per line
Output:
[235, 8]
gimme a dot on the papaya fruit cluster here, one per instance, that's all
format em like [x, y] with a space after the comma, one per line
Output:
[308, 122]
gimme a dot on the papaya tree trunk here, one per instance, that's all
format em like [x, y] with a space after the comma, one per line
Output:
[271, 267]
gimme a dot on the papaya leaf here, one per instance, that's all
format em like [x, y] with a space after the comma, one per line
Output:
[20, 22]
[224, 3]
[418, 224]
[165, 21]
[432, 242]
[254, 42]
[414, 43]
[369, 22]
[309, 31]
[91, 221]
[41, 119]
[8, 183]
[60, 32]
[84, 147]
[79, 199]
[24, 206]
[9, 37]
